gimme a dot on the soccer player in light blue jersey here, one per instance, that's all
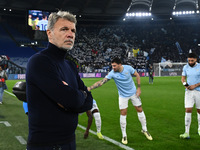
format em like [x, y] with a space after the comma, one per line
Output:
[122, 75]
[42, 24]
[192, 92]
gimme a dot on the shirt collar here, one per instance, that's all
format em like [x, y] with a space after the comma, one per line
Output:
[57, 52]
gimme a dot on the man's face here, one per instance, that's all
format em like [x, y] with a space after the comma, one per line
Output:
[192, 61]
[116, 67]
[63, 34]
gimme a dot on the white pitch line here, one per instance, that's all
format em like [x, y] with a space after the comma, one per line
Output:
[6, 123]
[21, 140]
[9, 93]
[108, 139]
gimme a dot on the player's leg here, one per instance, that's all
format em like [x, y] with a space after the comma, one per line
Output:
[136, 101]
[123, 114]
[189, 103]
[1, 95]
[197, 97]
[123, 105]
[198, 118]
[97, 117]
[188, 119]
[149, 79]
[90, 119]
[152, 78]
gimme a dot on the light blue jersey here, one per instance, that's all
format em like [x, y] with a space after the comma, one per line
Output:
[193, 74]
[94, 102]
[43, 25]
[123, 80]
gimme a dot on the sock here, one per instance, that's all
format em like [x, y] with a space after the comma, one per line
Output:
[142, 119]
[97, 118]
[123, 125]
[198, 118]
[187, 122]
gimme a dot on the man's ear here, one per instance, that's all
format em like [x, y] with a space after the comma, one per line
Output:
[49, 32]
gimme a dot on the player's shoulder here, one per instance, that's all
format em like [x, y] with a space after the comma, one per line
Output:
[128, 67]
[111, 72]
[185, 66]
[110, 75]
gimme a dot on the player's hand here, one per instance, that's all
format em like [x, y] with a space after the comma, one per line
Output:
[88, 88]
[138, 92]
[64, 83]
[191, 87]
[86, 134]
[61, 105]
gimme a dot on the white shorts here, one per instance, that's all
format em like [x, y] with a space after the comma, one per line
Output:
[94, 106]
[123, 101]
[192, 97]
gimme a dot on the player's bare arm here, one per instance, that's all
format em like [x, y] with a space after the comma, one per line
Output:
[183, 79]
[191, 87]
[98, 84]
[138, 92]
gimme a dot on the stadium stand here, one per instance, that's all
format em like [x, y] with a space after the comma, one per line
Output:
[97, 44]
[10, 46]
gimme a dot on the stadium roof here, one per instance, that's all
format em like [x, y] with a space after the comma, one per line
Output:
[101, 9]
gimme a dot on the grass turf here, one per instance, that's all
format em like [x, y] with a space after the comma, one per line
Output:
[163, 104]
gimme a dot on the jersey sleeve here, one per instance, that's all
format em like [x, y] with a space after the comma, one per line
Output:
[131, 69]
[109, 76]
[184, 71]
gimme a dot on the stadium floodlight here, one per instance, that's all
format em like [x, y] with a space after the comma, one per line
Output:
[197, 12]
[138, 14]
[177, 13]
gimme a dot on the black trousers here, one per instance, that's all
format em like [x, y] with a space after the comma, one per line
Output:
[69, 146]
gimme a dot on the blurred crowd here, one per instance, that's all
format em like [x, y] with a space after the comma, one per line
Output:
[136, 43]
[96, 45]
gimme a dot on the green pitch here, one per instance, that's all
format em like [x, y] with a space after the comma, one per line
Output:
[163, 104]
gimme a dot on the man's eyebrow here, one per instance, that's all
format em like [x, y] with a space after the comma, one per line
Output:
[74, 30]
